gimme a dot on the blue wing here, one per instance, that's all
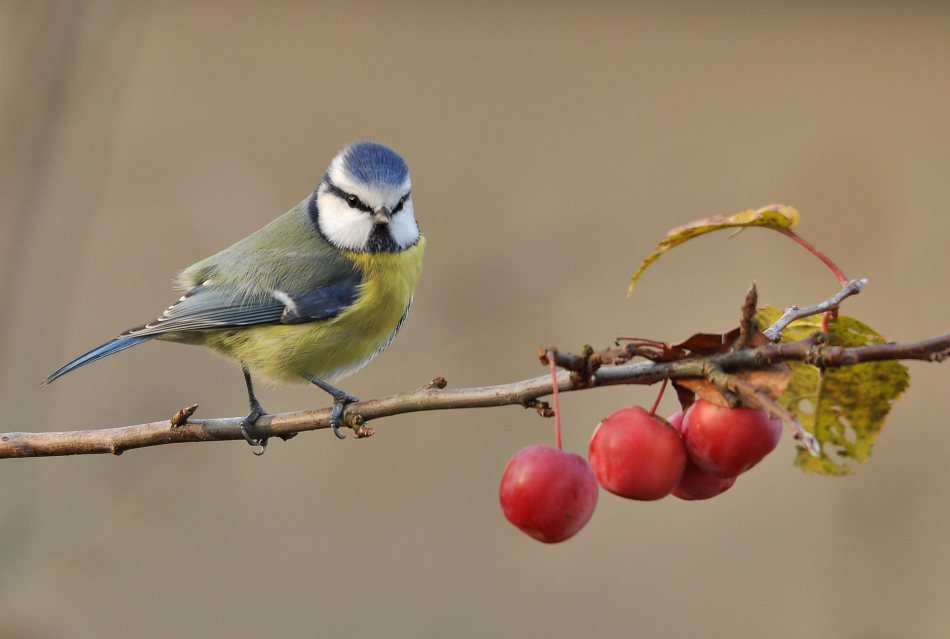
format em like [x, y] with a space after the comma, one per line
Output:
[210, 307]
[323, 303]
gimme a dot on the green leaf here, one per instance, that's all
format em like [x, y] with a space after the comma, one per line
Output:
[846, 408]
[777, 215]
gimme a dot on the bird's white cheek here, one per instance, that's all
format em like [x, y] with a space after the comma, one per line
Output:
[345, 227]
[403, 227]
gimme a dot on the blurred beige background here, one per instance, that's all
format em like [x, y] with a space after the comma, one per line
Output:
[550, 146]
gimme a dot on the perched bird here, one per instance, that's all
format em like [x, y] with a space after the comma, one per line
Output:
[314, 295]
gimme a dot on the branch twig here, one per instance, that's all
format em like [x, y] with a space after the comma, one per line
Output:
[748, 326]
[792, 313]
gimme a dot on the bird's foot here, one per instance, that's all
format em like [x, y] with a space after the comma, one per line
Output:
[257, 411]
[340, 400]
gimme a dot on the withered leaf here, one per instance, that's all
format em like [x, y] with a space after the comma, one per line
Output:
[777, 215]
[772, 381]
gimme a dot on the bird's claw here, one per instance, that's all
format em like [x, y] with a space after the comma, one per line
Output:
[252, 417]
[340, 400]
[339, 405]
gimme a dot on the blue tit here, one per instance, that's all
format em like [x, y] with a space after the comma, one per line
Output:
[314, 295]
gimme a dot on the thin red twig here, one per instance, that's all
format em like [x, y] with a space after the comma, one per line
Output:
[814, 251]
[659, 396]
[557, 404]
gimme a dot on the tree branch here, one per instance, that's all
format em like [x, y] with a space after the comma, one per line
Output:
[432, 397]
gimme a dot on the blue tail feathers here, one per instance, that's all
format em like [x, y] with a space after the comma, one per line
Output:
[95, 354]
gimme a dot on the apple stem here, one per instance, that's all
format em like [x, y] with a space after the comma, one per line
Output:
[827, 317]
[811, 249]
[557, 404]
[659, 396]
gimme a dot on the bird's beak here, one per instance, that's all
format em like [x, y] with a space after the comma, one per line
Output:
[383, 215]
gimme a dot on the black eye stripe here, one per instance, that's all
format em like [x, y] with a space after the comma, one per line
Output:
[402, 201]
[343, 195]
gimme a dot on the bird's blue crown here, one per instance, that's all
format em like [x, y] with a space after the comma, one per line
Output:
[373, 163]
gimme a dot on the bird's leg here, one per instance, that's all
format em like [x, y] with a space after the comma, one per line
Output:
[256, 411]
[340, 400]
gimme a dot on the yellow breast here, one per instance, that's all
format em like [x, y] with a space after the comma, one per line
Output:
[334, 348]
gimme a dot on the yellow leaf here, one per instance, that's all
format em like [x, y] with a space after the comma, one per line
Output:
[777, 215]
[846, 408]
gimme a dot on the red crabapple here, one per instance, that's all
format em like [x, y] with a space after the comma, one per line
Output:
[547, 493]
[728, 441]
[637, 455]
[696, 482]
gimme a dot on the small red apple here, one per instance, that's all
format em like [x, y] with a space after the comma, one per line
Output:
[728, 441]
[697, 483]
[547, 493]
[637, 455]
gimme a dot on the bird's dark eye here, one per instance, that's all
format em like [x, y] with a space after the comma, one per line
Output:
[401, 202]
[352, 200]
